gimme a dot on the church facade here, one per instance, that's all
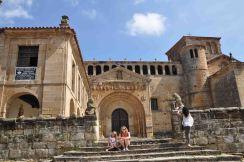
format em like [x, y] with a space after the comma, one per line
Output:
[42, 73]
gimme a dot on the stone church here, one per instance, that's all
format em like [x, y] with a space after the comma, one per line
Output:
[43, 74]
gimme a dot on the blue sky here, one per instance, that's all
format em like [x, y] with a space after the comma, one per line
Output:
[134, 29]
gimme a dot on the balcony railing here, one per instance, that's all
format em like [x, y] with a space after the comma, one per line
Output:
[25, 73]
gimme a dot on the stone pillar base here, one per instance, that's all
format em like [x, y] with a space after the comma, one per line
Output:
[91, 130]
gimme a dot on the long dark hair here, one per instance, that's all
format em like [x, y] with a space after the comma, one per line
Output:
[185, 111]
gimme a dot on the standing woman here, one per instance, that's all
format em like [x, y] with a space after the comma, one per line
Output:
[187, 123]
[124, 138]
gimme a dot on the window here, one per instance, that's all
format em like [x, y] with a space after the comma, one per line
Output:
[144, 70]
[129, 67]
[152, 70]
[90, 70]
[167, 71]
[196, 52]
[138, 69]
[174, 70]
[191, 53]
[160, 70]
[27, 56]
[154, 104]
[98, 70]
[106, 68]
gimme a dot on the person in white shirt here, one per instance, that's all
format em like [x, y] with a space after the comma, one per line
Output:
[187, 123]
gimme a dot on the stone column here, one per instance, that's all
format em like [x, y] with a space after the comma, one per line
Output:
[148, 70]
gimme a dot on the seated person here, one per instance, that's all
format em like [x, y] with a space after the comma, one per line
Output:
[124, 138]
[112, 142]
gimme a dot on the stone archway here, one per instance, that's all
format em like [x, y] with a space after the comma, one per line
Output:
[26, 101]
[130, 104]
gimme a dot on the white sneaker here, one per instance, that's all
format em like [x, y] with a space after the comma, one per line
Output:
[126, 149]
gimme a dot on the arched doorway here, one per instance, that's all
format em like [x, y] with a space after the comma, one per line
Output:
[27, 103]
[112, 104]
[119, 119]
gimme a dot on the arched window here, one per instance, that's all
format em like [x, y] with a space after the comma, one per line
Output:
[98, 70]
[167, 71]
[114, 66]
[174, 70]
[138, 69]
[90, 70]
[144, 70]
[106, 68]
[196, 52]
[160, 70]
[152, 70]
[191, 53]
[129, 67]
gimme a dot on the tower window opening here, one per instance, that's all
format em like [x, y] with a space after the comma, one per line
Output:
[196, 52]
[191, 53]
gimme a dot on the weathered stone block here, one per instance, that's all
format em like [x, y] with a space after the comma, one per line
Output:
[14, 153]
[41, 153]
[4, 154]
[48, 137]
[39, 145]
[228, 139]
[77, 136]
[30, 153]
[201, 141]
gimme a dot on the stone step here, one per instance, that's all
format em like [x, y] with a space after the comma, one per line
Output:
[133, 147]
[135, 151]
[198, 158]
[135, 141]
[128, 157]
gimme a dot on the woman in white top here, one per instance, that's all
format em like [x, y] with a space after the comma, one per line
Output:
[187, 123]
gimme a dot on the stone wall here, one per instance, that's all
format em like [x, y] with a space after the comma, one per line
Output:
[44, 138]
[219, 128]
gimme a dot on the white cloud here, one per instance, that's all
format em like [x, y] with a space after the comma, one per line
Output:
[11, 9]
[92, 13]
[138, 1]
[146, 24]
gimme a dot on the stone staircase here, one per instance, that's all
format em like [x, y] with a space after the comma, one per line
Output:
[146, 150]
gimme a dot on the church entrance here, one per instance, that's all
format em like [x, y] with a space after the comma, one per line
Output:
[119, 119]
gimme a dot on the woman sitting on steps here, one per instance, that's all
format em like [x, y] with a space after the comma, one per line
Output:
[124, 138]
